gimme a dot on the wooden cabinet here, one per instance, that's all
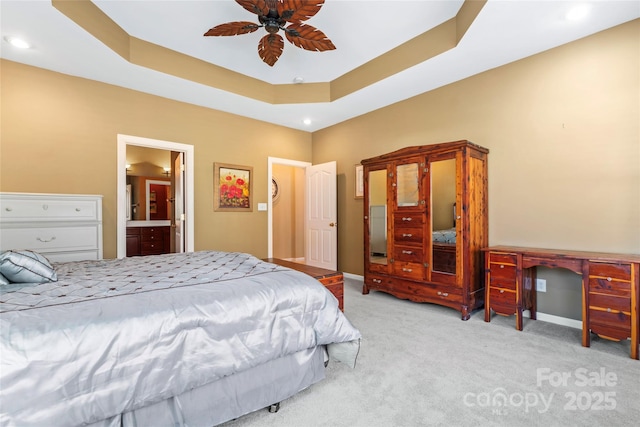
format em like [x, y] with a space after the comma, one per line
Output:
[427, 247]
[148, 240]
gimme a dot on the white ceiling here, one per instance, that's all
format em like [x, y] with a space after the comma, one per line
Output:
[504, 31]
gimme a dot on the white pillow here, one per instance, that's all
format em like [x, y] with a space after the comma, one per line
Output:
[3, 280]
[26, 267]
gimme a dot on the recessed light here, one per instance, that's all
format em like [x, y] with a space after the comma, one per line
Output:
[307, 122]
[298, 80]
[577, 13]
[17, 42]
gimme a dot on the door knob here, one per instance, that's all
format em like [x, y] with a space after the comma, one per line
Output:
[333, 224]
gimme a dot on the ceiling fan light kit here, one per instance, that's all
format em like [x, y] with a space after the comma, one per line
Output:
[276, 15]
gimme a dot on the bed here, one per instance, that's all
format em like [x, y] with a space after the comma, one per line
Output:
[179, 339]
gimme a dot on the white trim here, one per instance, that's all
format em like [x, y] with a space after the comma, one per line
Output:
[557, 320]
[353, 276]
[121, 212]
[270, 162]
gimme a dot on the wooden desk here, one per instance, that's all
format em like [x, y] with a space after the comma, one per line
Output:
[610, 288]
[332, 280]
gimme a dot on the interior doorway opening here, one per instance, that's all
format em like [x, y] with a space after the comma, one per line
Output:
[183, 226]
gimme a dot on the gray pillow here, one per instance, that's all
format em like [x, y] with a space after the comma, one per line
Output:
[26, 267]
[3, 280]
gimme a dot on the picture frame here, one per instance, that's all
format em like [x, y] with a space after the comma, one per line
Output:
[233, 188]
[359, 182]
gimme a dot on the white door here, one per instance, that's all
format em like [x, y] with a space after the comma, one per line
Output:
[178, 203]
[321, 216]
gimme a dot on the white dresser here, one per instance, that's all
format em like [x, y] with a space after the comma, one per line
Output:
[62, 227]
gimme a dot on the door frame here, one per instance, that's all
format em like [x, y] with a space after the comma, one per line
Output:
[270, 162]
[121, 213]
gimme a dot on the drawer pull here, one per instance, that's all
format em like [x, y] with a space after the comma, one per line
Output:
[78, 209]
[501, 265]
[608, 310]
[407, 235]
[406, 219]
[408, 270]
[45, 207]
[46, 240]
[376, 280]
[502, 291]
[407, 252]
[8, 209]
[608, 279]
[444, 294]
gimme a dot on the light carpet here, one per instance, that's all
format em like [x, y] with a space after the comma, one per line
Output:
[420, 365]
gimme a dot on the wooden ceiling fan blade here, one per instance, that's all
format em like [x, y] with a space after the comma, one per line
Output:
[270, 48]
[259, 7]
[233, 29]
[308, 37]
[298, 10]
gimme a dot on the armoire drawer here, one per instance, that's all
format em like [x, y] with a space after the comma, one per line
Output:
[408, 219]
[408, 236]
[408, 270]
[408, 254]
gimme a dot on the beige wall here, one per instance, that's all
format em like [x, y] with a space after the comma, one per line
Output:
[562, 127]
[563, 132]
[59, 133]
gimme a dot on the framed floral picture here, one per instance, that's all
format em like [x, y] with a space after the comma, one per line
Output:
[233, 188]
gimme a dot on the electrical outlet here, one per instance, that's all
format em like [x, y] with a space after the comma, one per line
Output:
[541, 285]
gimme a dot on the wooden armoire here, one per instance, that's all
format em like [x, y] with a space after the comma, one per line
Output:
[425, 224]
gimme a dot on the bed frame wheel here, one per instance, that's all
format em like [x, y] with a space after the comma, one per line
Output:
[275, 407]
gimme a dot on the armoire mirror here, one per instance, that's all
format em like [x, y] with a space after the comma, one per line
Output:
[378, 216]
[443, 215]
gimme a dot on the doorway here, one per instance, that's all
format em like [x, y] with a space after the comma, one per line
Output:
[314, 213]
[184, 224]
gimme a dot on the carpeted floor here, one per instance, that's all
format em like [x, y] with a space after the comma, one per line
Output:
[420, 365]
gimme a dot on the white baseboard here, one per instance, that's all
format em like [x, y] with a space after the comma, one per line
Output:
[353, 276]
[562, 321]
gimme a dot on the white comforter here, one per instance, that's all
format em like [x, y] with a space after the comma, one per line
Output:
[112, 336]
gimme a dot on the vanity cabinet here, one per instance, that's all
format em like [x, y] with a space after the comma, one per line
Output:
[148, 240]
[427, 246]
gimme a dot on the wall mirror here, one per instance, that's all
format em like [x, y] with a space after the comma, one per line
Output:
[378, 216]
[148, 184]
[443, 215]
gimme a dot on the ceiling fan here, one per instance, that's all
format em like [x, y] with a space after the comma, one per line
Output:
[273, 15]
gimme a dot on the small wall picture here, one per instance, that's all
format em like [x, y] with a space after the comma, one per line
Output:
[233, 188]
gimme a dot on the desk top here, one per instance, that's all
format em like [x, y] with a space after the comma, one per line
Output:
[566, 254]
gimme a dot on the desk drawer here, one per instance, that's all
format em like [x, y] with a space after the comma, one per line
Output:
[612, 287]
[502, 258]
[609, 303]
[610, 272]
[502, 297]
[502, 276]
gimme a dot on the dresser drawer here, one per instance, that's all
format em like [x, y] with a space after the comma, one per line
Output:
[151, 248]
[45, 209]
[409, 270]
[610, 271]
[51, 239]
[408, 254]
